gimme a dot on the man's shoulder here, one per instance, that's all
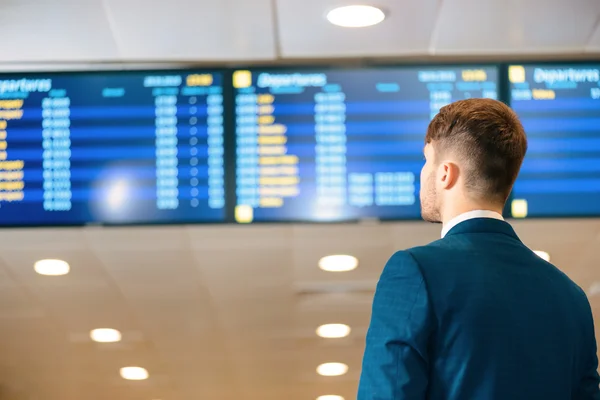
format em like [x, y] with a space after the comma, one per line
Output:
[445, 254]
[416, 257]
[411, 253]
[430, 250]
[439, 257]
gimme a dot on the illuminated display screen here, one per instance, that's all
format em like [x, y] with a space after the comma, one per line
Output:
[559, 106]
[332, 145]
[111, 147]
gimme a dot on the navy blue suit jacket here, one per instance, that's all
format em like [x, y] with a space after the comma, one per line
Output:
[477, 315]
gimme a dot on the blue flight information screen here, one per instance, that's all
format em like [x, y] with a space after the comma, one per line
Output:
[559, 106]
[335, 144]
[111, 147]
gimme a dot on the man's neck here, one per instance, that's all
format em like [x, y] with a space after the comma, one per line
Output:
[454, 212]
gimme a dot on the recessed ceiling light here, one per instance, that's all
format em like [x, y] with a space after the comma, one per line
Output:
[105, 335]
[358, 16]
[134, 373]
[333, 331]
[543, 255]
[51, 267]
[594, 289]
[338, 263]
[330, 397]
[332, 369]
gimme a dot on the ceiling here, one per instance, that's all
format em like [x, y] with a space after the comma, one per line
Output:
[240, 31]
[213, 312]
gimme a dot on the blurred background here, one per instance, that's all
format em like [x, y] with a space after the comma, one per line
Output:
[224, 293]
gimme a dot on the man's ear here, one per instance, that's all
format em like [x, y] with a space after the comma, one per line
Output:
[448, 174]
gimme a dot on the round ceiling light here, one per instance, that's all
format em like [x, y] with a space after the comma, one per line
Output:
[330, 397]
[332, 369]
[51, 267]
[543, 255]
[333, 331]
[105, 335]
[134, 373]
[338, 263]
[594, 289]
[357, 16]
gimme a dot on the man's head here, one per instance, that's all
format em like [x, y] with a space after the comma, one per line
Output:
[473, 152]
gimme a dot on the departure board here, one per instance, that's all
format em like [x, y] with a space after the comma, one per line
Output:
[559, 106]
[111, 147]
[340, 144]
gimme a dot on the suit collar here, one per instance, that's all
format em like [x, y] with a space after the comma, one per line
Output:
[483, 225]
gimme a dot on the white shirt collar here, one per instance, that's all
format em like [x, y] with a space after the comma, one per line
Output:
[469, 215]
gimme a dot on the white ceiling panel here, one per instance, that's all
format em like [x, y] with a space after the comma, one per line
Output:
[305, 32]
[165, 238]
[202, 30]
[341, 235]
[415, 233]
[226, 237]
[55, 31]
[593, 44]
[46, 241]
[514, 26]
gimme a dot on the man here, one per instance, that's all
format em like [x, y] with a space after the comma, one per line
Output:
[476, 315]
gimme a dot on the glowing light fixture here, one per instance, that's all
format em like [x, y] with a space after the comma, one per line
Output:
[543, 255]
[105, 335]
[356, 16]
[332, 369]
[330, 397]
[134, 373]
[338, 263]
[594, 289]
[51, 267]
[333, 331]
